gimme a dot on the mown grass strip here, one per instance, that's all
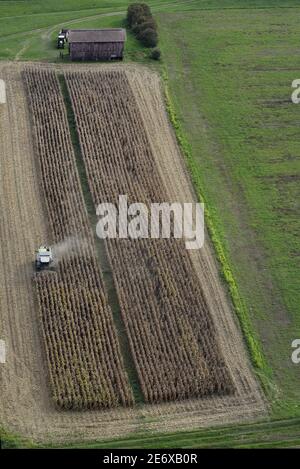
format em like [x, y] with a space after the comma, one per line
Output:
[231, 436]
[274, 433]
[101, 251]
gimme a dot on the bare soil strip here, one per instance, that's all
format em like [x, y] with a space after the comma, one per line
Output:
[25, 405]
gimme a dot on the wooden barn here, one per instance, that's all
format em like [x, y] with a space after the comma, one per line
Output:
[96, 44]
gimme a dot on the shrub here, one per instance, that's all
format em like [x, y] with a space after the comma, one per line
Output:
[148, 37]
[135, 28]
[147, 23]
[136, 11]
[142, 24]
[139, 28]
[155, 54]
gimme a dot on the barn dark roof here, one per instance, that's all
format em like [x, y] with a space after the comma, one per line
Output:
[97, 35]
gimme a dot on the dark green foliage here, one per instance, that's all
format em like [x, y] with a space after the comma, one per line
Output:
[155, 54]
[142, 24]
[145, 23]
[135, 28]
[136, 11]
[148, 37]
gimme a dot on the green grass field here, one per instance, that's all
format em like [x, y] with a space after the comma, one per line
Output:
[283, 433]
[28, 28]
[229, 66]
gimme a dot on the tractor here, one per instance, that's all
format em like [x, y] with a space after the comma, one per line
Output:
[62, 38]
[61, 41]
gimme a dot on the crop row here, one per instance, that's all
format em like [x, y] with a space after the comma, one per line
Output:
[85, 364]
[171, 333]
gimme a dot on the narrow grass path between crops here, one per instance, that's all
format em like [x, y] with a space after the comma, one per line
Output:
[101, 250]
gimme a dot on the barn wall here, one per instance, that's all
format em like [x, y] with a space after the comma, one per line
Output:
[95, 51]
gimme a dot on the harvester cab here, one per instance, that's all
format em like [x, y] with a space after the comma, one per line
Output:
[61, 41]
[44, 258]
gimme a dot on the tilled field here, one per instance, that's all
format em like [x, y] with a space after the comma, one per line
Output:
[27, 406]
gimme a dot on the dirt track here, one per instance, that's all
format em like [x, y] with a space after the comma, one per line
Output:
[25, 405]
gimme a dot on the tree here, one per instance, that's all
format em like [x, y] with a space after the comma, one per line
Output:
[155, 54]
[146, 23]
[148, 37]
[136, 11]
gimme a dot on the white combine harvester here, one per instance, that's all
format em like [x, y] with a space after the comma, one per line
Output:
[44, 258]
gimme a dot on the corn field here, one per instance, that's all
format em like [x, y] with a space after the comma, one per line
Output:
[171, 334]
[85, 364]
